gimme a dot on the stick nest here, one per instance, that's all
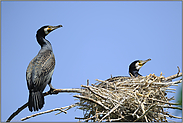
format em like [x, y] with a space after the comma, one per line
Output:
[127, 99]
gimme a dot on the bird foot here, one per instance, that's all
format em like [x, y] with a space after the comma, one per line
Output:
[51, 91]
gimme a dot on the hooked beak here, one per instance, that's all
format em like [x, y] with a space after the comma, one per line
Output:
[55, 27]
[143, 62]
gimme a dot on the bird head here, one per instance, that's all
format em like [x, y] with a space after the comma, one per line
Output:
[136, 65]
[45, 30]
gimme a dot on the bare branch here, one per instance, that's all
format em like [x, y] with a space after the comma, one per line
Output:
[173, 76]
[112, 109]
[17, 112]
[145, 112]
[69, 107]
[75, 90]
[178, 70]
[104, 97]
[166, 106]
[174, 116]
[91, 100]
[164, 101]
[49, 111]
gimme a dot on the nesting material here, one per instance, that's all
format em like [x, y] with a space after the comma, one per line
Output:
[128, 99]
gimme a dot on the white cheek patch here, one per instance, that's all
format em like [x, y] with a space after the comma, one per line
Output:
[46, 30]
[137, 66]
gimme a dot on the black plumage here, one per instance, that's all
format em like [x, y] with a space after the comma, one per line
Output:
[134, 68]
[40, 69]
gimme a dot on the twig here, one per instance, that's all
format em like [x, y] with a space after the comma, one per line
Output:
[134, 113]
[89, 87]
[145, 112]
[175, 83]
[167, 83]
[45, 94]
[68, 107]
[104, 97]
[174, 116]
[102, 89]
[79, 118]
[100, 80]
[92, 100]
[142, 107]
[163, 101]
[178, 70]
[73, 90]
[169, 115]
[86, 120]
[169, 89]
[113, 109]
[17, 112]
[87, 82]
[166, 106]
[49, 111]
[173, 76]
[112, 120]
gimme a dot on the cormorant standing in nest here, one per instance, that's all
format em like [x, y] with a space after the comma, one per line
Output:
[40, 70]
[134, 68]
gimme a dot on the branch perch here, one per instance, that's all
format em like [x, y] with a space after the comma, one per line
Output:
[75, 90]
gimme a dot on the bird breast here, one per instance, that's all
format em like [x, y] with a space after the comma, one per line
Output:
[40, 69]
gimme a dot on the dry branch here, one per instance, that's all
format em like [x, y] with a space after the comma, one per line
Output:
[91, 100]
[49, 111]
[75, 90]
[145, 112]
[112, 109]
[173, 76]
[17, 112]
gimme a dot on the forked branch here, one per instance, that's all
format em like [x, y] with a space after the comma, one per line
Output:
[75, 90]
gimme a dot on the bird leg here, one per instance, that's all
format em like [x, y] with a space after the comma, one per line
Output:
[51, 91]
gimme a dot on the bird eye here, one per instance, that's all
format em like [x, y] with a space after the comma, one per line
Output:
[49, 29]
[140, 64]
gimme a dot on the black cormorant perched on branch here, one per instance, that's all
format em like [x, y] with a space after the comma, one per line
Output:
[134, 68]
[40, 70]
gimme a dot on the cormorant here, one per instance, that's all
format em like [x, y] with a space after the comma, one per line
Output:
[40, 69]
[134, 68]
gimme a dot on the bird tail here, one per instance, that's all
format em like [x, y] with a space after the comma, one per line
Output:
[36, 100]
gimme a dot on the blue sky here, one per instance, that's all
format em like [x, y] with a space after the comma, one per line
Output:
[97, 39]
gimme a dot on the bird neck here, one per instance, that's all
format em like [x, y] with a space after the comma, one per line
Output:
[135, 73]
[45, 44]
